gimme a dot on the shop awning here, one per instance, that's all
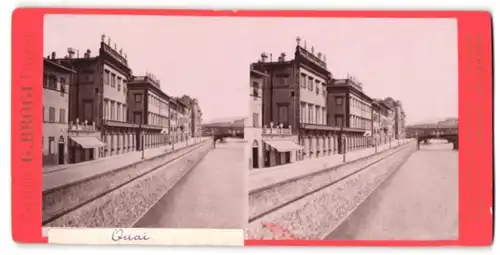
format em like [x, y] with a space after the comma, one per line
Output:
[87, 142]
[284, 145]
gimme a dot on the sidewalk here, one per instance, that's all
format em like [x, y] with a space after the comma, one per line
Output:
[54, 177]
[265, 177]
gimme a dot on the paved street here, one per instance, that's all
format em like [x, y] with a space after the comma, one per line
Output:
[271, 175]
[212, 195]
[61, 175]
[419, 202]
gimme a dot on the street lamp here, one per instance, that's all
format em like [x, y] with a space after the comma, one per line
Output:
[343, 140]
[172, 140]
[141, 132]
[418, 142]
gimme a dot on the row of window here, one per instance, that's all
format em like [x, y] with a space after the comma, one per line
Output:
[357, 122]
[311, 84]
[172, 113]
[157, 120]
[114, 110]
[50, 81]
[115, 81]
[157, 102]
[312, 114]
[360, 105]
[355, 103]
[52, 115]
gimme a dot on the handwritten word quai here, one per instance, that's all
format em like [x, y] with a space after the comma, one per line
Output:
[119, 234]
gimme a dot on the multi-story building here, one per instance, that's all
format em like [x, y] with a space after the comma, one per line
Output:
[194, 112]
[179, 124]
[148, 107]
[253, 122]
[56, 79]
[294, 97]
[197, 119]
[398, 116]
[183, 120]
[385, 114]
[351, 109]
[98, 95]
[402, 124]
[377, 122]
[173, 127]
[188, 102]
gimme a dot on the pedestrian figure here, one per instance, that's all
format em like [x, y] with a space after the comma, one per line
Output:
[215, 141]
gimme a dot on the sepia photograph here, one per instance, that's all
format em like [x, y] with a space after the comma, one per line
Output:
[353, 129]
[143, 123]
[289, 128]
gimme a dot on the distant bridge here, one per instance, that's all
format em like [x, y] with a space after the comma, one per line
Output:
[424, 133]
[223, 130]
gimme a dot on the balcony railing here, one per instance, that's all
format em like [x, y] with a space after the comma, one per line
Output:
[81, 126]
[276, 130]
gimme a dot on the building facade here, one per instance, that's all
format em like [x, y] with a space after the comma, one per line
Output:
[56, 84]
[183, 120]
[398, 117]
[194, 114]
[385, 131]
[178, 121]
[253, 122]
[351, 110]
[148, 108]
[197, 119]
[377, 122]
[98, 97]
[295, 98]
[189, 104]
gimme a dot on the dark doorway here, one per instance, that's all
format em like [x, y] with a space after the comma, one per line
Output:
[287, 157]
[60, 152]
[255, 157]
[91, 154]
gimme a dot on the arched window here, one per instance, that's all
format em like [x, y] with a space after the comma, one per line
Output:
[255, 144]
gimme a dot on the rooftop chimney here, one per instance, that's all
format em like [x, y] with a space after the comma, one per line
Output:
[87, 53]
[263, 57]
[53, 55]
[282, 57]
[71, 52]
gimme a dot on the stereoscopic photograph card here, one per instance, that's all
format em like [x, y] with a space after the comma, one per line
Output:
[233, 128]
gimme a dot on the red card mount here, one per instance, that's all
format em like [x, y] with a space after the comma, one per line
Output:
[475, 113]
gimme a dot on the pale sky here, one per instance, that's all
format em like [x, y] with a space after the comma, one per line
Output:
[412, 60]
